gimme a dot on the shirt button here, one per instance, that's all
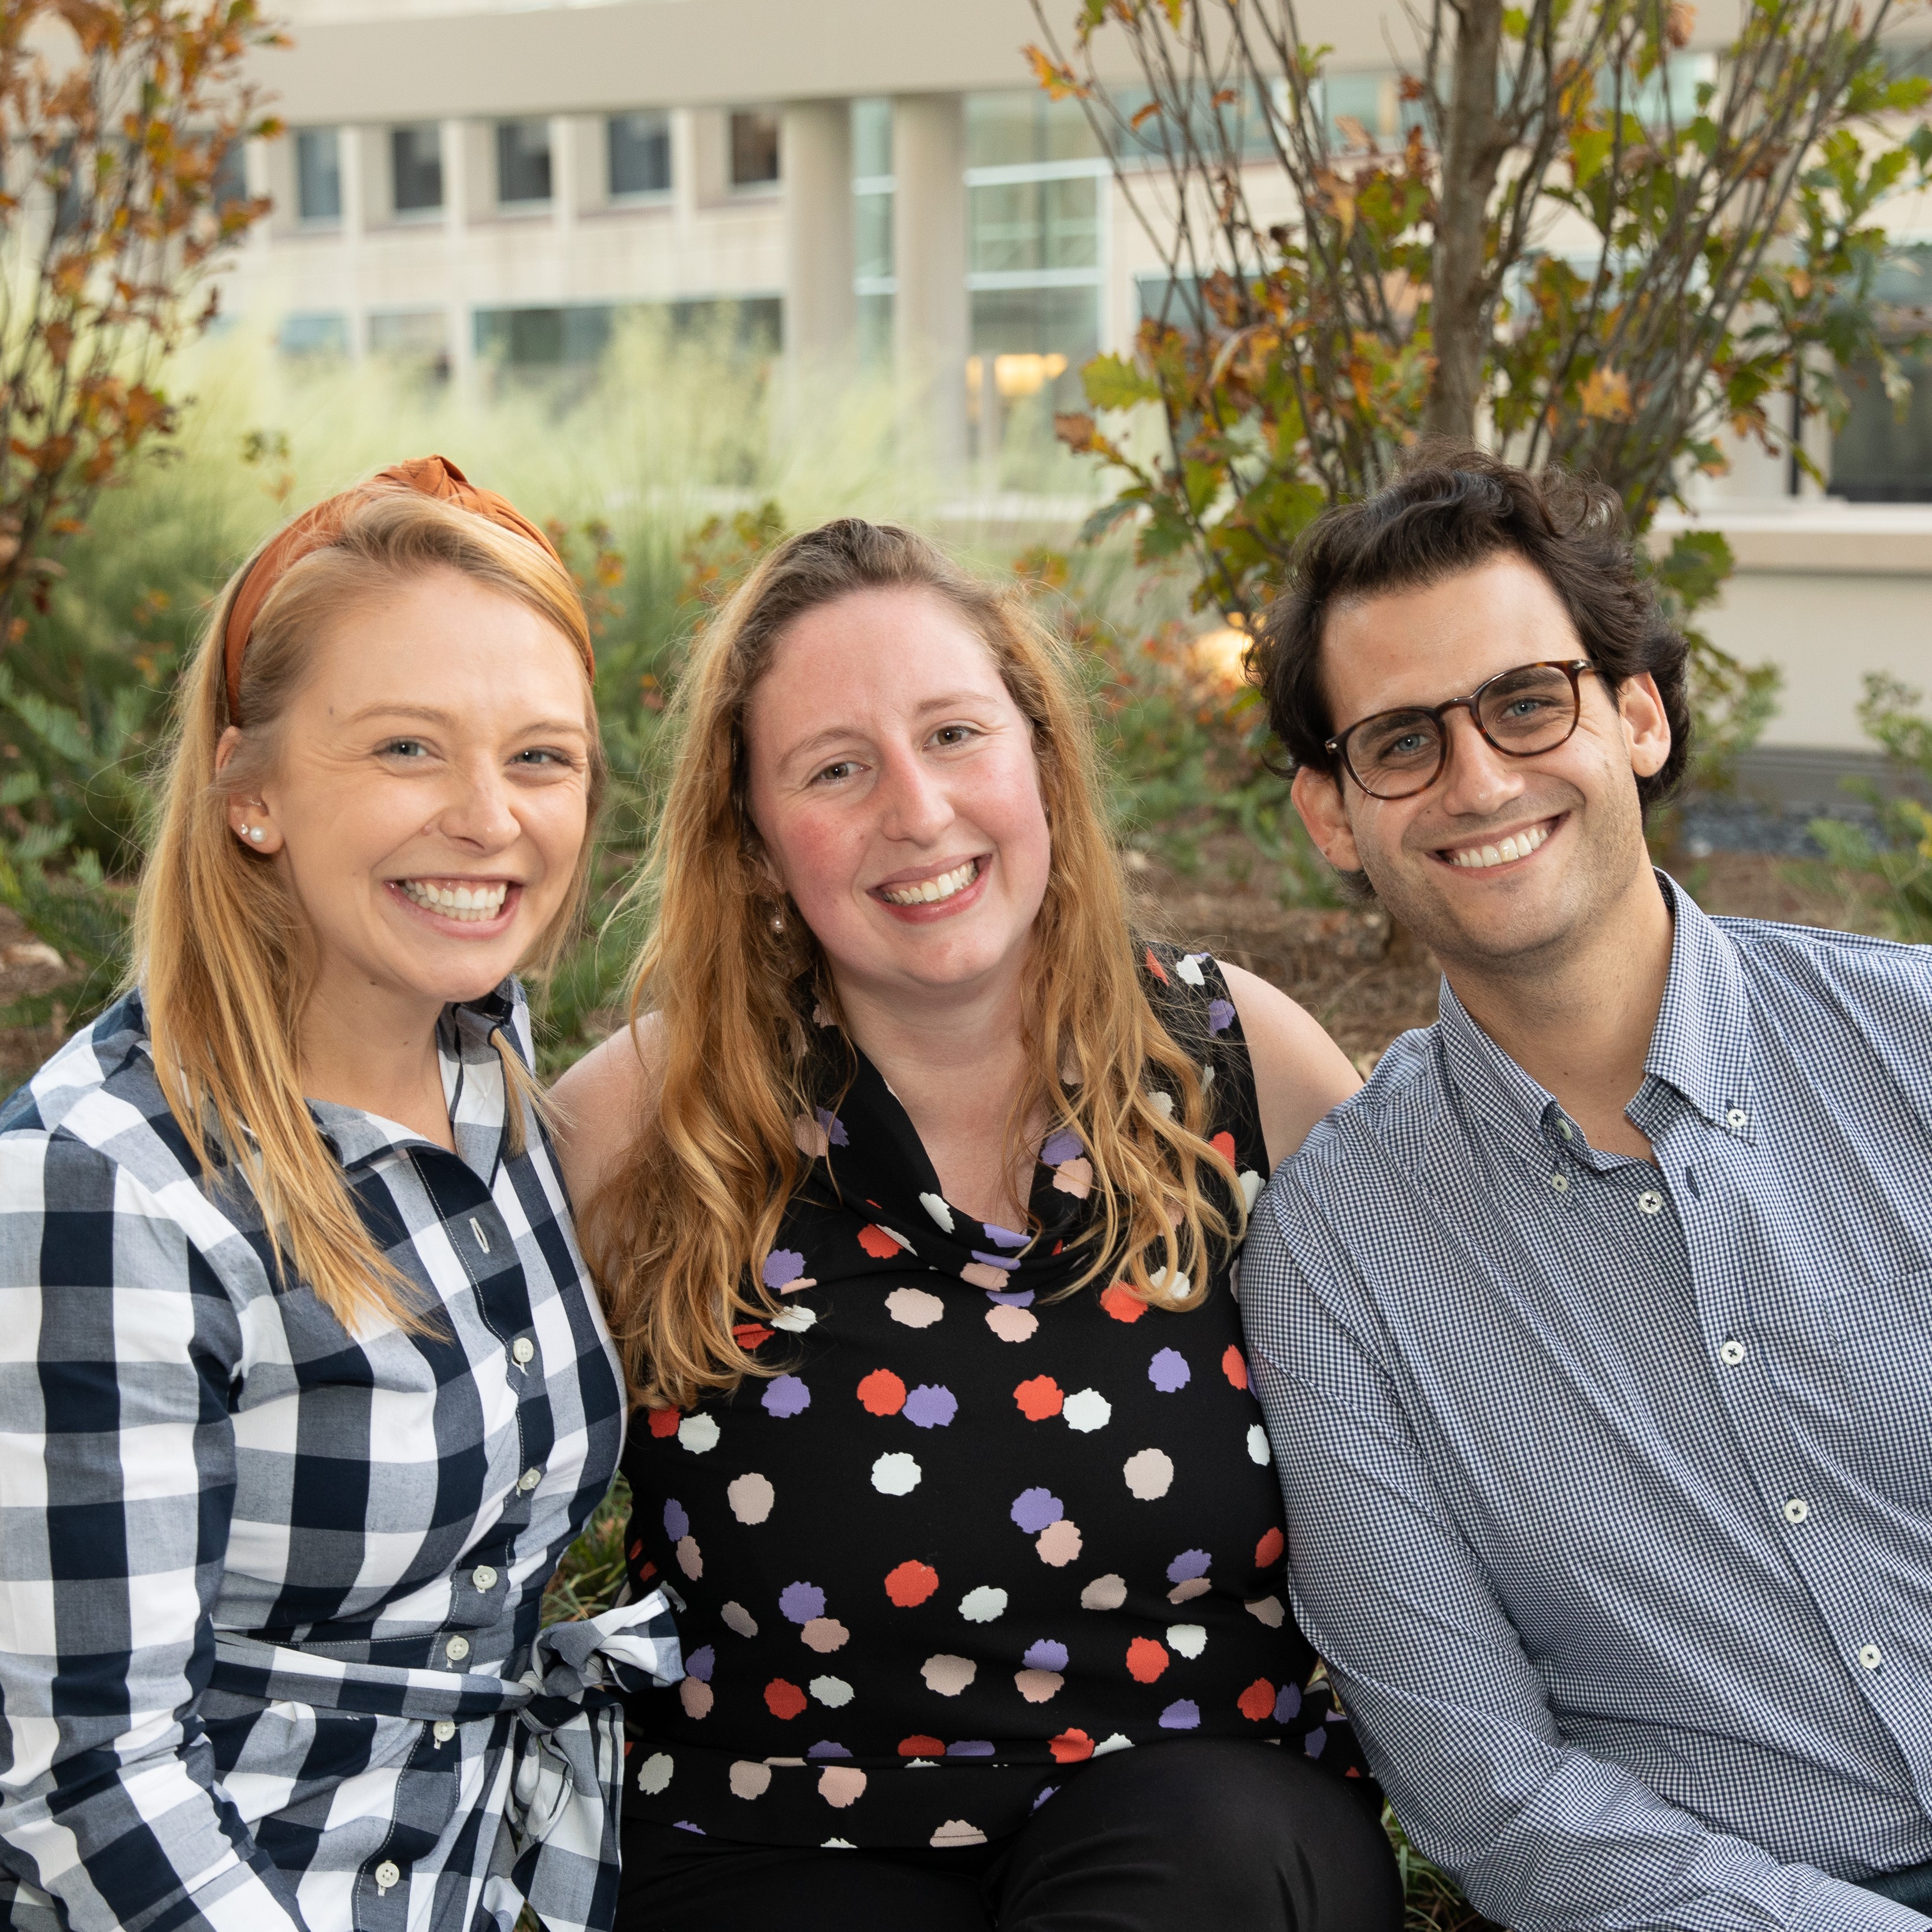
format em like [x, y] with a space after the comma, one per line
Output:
[1737, 1119]
[457, 1649]
[1650, 1201]
[1560, 1182]
[1797, 1509]
[529, 1480]
[483, 1577]
[1871, 1657]
[522, 1349]
[1569, 1132]
[1731, 1353]
[388, 1873]
[444, 1731]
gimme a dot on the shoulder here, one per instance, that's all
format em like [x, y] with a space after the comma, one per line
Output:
[602, 1104]
[1818, 960]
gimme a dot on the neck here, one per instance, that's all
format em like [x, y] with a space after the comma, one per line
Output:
[376, 1052]
[955, 1063]
[1577, 1017]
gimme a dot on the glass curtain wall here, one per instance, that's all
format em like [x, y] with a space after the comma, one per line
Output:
[875, 281]
[1038, 199]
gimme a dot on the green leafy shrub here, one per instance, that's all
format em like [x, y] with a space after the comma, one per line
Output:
[1900, 852]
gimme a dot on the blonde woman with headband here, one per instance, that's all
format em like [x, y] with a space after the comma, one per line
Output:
[304, 1390]
[913, 1189]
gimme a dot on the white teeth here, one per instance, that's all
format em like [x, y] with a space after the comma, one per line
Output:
[470, 903]
[1518, 845]
[928, 891]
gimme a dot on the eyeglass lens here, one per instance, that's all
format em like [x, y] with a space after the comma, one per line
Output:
[1521, 712]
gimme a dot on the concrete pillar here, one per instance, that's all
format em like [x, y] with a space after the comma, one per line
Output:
[931, 313]
[349, 162]
[821, 312]
[459, 193]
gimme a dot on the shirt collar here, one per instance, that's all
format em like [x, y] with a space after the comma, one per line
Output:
[472, 1083]
[1700, 1047]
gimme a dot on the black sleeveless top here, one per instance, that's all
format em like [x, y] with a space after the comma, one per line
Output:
[972, 1536]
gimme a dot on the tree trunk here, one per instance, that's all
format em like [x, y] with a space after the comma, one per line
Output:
[1473, 148]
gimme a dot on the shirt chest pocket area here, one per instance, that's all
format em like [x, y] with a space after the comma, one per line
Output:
[1880, 1332]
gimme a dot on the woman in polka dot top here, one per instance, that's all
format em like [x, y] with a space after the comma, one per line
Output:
[913, 1190]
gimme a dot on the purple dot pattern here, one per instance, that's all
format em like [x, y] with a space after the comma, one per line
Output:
[1033, 1510]
[929, 1406]
[786, 1395]
[1019, 1531]
[782, 1265]
[1168, 1371]
[801, 1602]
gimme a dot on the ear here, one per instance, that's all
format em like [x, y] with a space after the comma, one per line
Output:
[1318, 797]
[249, 818]
[1646, 723]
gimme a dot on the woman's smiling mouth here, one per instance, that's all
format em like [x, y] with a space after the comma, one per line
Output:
[934, 891]
[468, 901]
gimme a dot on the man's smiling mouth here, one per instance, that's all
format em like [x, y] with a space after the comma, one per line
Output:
[930, 892]
[1498, 851]
[473, 901]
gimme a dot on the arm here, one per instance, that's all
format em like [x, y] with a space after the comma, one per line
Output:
[117, 1479]
[1450, 1711]
[603, 1102]
[1299, 1072]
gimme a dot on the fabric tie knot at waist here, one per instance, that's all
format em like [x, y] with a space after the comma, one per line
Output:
[570, 1742]
[566, 1747]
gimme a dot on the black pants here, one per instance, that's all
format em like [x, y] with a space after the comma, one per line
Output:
[1224, 1836]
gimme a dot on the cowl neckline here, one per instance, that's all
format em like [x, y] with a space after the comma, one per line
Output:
[867, 1160]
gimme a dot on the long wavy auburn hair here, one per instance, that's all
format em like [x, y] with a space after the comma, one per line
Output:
[678, 1232]
[223, 955]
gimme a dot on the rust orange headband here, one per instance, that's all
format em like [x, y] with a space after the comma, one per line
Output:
[315, 529]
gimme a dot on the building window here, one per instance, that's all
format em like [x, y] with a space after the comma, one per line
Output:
[640, 152]
[418, 337]
[231, 177]
[318, 175]
[754, 147]
[415, 168]
[1878, 455]
[544, 338]
[523, 162]
[314, 335]
[874, 281]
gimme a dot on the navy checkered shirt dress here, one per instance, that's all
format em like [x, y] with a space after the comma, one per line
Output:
[269, 1590]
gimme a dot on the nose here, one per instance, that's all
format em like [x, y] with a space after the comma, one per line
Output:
[476, 811]
[914, 805]
[1476, 779]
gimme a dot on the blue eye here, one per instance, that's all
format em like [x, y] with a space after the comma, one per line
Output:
[403, 748]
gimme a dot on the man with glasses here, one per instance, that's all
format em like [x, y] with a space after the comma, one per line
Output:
[1595, 1333]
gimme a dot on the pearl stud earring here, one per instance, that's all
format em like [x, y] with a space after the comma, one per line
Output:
[253, 832]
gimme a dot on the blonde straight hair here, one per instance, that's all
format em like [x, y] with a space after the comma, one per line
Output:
[223, 957]
[679, 1232]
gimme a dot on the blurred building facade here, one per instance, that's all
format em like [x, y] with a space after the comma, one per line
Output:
[483, 186]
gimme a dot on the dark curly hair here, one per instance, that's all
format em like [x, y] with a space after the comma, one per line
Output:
[1454, 507]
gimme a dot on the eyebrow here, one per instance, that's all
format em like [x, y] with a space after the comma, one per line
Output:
[430, 714]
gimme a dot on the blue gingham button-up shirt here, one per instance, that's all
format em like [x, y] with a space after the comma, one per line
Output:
[269, 1590]
[1610, 1484]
